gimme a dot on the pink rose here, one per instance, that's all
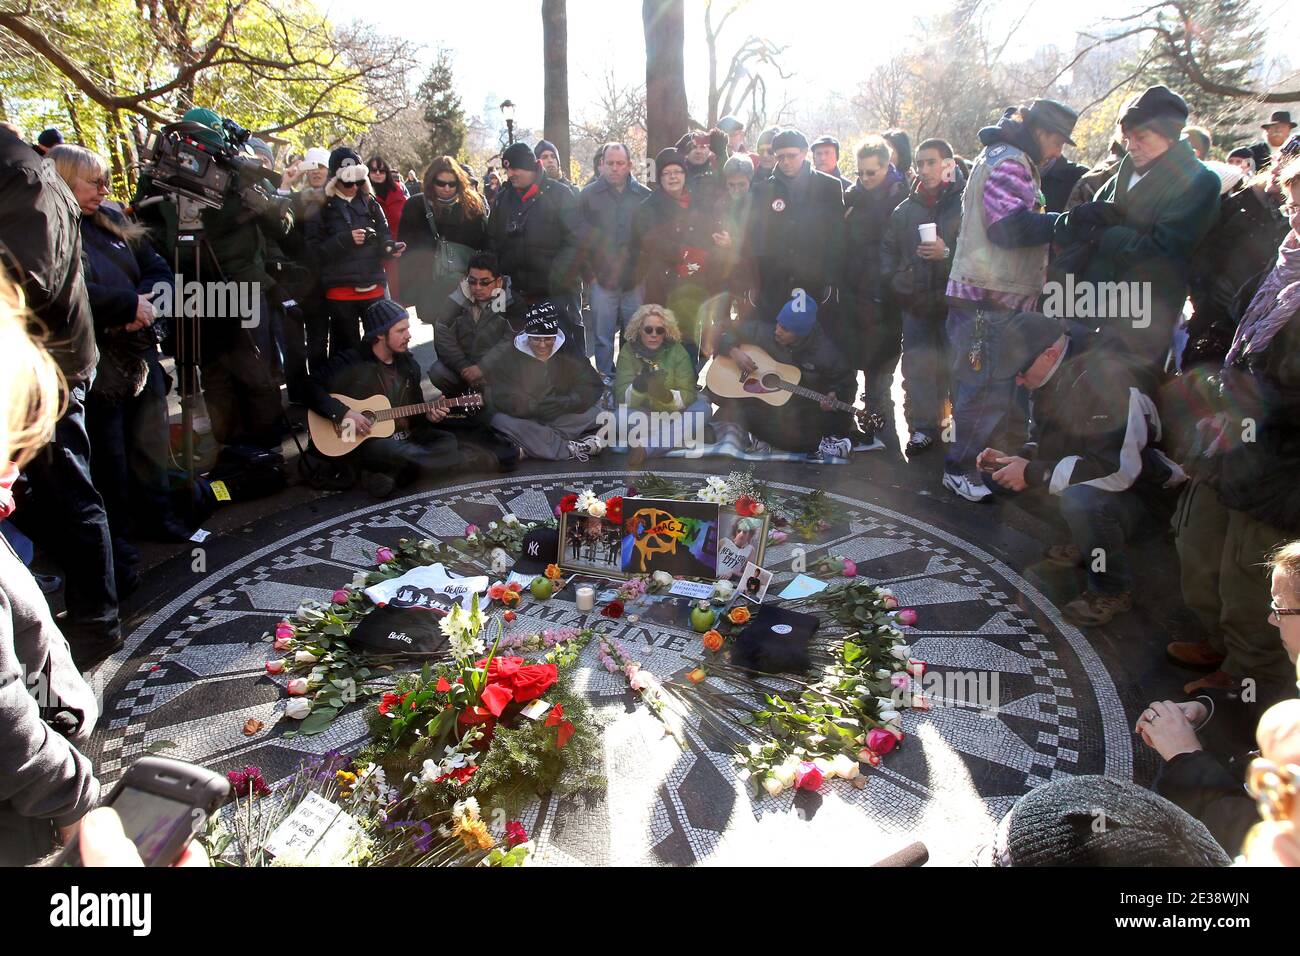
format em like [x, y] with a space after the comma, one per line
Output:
[899, 680]
[889, 601]
[471, 530]
[808, 777]
[850, 568]
[777, 537]
[283, 643]
[284, 629]
[881, 741]
[384, 555]
[275, 667]
[907, 617]
[916, 668]
[297, 687]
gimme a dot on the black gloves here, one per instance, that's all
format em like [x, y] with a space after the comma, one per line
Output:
[1096, 214]
[718, 143]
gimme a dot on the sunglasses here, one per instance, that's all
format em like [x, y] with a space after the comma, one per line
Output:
[1283, 611]
[446, 184]
[481, 283]
[647, 330]
[341, 184]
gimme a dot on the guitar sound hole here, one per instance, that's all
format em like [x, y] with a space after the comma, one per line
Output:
[370, 416]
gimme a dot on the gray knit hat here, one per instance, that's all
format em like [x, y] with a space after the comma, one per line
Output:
[1097, 821]
[739, 165]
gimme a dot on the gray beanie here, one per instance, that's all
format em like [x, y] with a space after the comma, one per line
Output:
[1097, 821]
[739, 165]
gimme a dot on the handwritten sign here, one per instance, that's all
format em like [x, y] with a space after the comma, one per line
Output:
[316, 833]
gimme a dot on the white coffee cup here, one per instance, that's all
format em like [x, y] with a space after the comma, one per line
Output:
[928, 231]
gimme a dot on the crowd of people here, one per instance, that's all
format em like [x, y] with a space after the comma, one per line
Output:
[1123, 339]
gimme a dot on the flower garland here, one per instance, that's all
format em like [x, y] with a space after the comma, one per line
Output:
[613, 656]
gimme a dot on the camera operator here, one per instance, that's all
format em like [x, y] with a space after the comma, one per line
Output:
[234, 358]
[351, 240]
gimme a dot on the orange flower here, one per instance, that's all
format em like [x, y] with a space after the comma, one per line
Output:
[510, 598]
[696, 675]
[712, 641]
[738, 615]
[553, 572]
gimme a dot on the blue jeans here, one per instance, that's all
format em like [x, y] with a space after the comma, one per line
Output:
[611, 310]
[1101, 522]
[979, 401]
[925, 371]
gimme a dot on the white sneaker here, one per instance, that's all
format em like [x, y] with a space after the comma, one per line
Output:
[578, 451]
[592, 444]
[832, 447]
[963, 487]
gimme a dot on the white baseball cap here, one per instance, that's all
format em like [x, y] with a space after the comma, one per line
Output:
[317, 158]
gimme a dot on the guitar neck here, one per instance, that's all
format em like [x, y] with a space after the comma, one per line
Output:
[406, 411]
[814, 396]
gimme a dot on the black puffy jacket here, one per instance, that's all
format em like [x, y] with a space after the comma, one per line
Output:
[534, 239]
[341, 261]
[919, 284]
[797, 234]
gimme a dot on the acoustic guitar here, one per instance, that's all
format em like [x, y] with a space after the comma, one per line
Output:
[333, 441]
[775, 382]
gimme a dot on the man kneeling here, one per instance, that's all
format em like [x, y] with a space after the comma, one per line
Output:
[481, 314]
[1092, 422]
[382, 364]
[543, 399]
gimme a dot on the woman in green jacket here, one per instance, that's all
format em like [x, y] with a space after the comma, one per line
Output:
[656, 388]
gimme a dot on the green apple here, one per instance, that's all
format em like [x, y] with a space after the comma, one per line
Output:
[542, 588]
[703, 618]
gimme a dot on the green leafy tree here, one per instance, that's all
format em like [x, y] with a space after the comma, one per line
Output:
[442, 111]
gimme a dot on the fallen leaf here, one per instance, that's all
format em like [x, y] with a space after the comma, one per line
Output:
[252, 726]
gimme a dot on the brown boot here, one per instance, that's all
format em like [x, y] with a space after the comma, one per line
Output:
[1093, 610]
[1216, 681]
[1198, 655]
[1063, 556]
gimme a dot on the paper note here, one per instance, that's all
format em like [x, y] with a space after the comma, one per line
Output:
[536, 710]
[691, 589]
[317, 832]
[801, 587]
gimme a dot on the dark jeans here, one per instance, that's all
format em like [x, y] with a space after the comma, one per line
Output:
[60, 510]
[925, 371]
[343, 322]
[430, 450]
[242, 398]
[980, 402]
[799, 425]
[129, 452]
[1101, 522]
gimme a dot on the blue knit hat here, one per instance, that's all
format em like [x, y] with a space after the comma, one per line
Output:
[381, 317]
[799, 314]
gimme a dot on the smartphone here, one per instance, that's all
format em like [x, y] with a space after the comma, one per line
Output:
[163, 803]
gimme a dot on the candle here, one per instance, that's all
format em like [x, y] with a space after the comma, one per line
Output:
[586, 598]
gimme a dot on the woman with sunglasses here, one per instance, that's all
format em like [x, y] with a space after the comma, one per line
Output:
[654, 373]
[445, 226]
[391, 193]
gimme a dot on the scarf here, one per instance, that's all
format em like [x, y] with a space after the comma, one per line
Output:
[1275, 303]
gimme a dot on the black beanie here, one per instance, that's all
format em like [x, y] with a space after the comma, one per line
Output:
[668, 157]
[789, 138]
[1160, 108]
[542, 146]
[542, 319]
[1097, 821]
[339, 157]
[519, 156]
[381, 317]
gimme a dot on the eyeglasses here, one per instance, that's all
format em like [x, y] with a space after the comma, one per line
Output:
[481, 283]
[646, 330]
[1274, 787]
[446, 184]
[1283, 611]
[376, 169]
[100, 183]
[1290, 209]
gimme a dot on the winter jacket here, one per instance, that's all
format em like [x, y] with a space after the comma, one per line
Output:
[342, 263]
[39, 236]
[467, 331]
[866, 216]
[603, 227]
[823, 365]
[117, 272]
[1095, 424]
[918, 284]
[1262, 477]
[736, 265]
[524, 386]
[1058, 182]
[1165, 215]
[48, 712]
[415, 269]
[797, 234]
[1085, 190]
[1207, 790]
[533, 239]
[674, 247]
[674, 366]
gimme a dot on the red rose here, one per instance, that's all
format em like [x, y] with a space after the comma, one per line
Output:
[388, 702]
[614, 510]
[747, 506]
[613, 609]
[515, 834]
[460, 775]
[568, 502]
[442, 685]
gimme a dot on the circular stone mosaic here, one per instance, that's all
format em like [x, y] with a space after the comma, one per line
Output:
[193, 674]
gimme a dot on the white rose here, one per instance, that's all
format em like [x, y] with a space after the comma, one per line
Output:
[596, 509]
[723, 590]
[663, 579]
[785, 773]
[889, 716]
[305, 657]
[510, 520]
[359, 579]
[773, 786]
[901, 651]
[826, 766]
[500, 562]
[297, 708]
[845, 766]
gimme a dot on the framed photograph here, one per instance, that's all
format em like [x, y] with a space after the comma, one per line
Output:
[680, 537]
[591, 545]
[740, 541]
[754, 583]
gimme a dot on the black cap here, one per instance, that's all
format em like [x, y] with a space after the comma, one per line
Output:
[343, 156]
[826, 141]
[519, 156]
[789, 139]
[1279, 116]
[1027, 336]
[51, 137]
[405, 630]
[381, 317]
[1157, 106]
[541, 547]
[542, 319]
[1052, 116]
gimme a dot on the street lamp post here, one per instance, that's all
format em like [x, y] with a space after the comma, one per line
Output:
[508, 111]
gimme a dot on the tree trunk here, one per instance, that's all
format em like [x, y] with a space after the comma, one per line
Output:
[555, 46]
[665, 73]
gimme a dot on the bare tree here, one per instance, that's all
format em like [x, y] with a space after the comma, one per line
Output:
[743, 81]
[555, 96]
[665, 73]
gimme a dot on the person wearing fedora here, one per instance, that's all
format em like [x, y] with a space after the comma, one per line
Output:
[543, 398]
[1089, 448]
[1145, 223]
[383, 364]
[1277, 130]
[998, 269]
